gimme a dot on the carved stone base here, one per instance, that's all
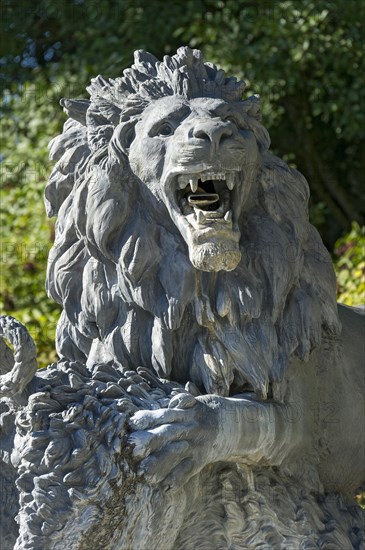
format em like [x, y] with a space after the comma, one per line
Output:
[78, 487]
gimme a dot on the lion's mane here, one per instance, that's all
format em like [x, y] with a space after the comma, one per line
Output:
[115, 246]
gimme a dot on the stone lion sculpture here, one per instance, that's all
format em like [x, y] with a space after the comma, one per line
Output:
[209, 392]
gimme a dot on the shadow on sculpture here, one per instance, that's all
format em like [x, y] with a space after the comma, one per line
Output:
[206, 395]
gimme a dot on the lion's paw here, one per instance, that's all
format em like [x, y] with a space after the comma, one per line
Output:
[173, 444]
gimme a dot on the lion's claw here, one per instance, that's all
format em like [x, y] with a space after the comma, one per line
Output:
[182, 401]
[180, 475]
[144, 420]
[157, 466]
[146, 442]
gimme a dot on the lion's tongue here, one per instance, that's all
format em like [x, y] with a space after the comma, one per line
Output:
[202, 199]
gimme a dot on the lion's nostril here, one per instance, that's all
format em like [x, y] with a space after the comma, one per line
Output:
[201, 134]
[212, 133]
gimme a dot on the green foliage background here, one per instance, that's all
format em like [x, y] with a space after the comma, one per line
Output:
[349, 257]
[304, 58]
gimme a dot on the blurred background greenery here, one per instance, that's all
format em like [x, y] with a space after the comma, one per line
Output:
[305, 59]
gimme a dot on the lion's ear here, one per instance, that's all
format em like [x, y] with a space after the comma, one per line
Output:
[123, 136]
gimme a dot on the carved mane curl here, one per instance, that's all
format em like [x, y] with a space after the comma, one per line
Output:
[115, 244]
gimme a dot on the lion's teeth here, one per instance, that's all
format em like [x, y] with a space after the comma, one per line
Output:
[200, 216]
[230, 180]
[184, 207]
[228, 216]
[193, 184]
[212, 176]
[182, 181]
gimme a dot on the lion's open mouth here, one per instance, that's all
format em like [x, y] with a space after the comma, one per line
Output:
[203, 205]
[205, 198]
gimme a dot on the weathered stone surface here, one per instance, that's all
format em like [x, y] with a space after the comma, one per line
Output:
[206, 395]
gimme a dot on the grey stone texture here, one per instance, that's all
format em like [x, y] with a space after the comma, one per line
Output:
[209, 392]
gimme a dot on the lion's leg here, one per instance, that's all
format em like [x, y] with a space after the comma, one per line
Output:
[171, 445]
[252, 431]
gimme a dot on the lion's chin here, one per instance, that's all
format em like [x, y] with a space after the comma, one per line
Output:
[211, 256]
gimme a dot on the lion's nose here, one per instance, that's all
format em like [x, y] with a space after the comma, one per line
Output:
[212, 131]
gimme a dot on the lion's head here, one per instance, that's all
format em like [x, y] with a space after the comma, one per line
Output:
[198, 156]
[182, 244]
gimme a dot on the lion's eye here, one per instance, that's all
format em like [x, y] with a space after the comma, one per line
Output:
[164, 130]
